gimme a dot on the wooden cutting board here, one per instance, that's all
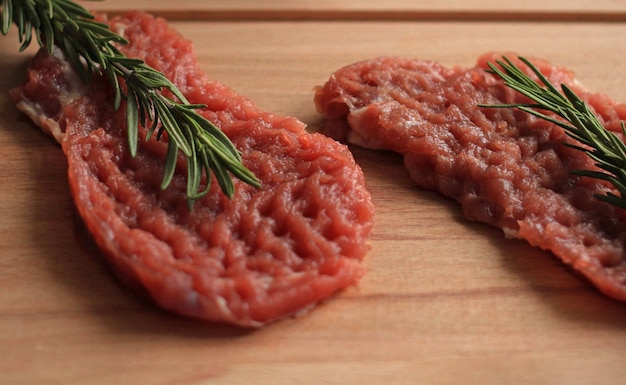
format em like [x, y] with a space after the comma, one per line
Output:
[445, 301]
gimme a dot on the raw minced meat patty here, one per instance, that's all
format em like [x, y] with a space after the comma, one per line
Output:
[262, 255]
[506, 168]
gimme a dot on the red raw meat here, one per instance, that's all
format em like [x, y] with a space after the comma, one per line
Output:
[264, 254]
[506, 168]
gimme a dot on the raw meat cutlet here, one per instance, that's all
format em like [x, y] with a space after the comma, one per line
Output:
[264, 254]
[506, 168]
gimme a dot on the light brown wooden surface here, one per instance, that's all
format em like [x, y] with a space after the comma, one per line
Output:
[376, 9]
[444, 301]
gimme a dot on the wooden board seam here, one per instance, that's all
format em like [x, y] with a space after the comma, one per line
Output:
[383, 15]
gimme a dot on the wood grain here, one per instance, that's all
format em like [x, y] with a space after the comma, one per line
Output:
[444, 301]
[325, 10]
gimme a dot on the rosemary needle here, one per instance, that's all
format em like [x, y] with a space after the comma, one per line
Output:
[606, 149]
[91, 48]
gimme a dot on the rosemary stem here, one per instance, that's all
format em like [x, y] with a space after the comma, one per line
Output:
[604, 147]
[90, 47]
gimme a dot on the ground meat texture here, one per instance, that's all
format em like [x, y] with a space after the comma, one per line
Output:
[505, 167]
[264, 254]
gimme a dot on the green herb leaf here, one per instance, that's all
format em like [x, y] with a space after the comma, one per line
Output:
[90, 47]
[604, 147]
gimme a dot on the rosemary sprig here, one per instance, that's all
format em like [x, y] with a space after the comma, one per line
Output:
[91, 48]
[606, 149]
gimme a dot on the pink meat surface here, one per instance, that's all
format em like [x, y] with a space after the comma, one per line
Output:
[505, 167]
[263, 255]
